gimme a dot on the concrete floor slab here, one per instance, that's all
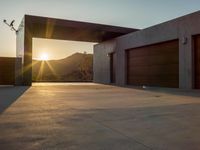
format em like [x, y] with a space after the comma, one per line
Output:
[98, 117]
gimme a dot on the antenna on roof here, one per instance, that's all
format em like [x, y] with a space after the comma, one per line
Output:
[11, 25]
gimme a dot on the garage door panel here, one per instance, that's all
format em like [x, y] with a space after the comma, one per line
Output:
[152, 51]
[171, 83]
[154, 60]
[155, 65]
[155, 70]
[154, 78]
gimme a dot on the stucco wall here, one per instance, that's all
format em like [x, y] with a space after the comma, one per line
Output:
[181, 28]
[101, 61]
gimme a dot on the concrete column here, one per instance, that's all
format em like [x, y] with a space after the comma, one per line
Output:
[20, 54]
[121, 67]
[101, 61]
[18, 71]
[185, 61]
[27, 66]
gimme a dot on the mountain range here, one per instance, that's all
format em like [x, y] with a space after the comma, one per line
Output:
[77, 67]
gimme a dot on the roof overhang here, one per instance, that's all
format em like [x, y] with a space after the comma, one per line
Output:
[51, 28]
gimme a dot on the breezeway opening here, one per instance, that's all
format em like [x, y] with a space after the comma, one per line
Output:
[62, 60]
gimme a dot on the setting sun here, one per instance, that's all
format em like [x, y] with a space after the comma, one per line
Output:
[44, 56]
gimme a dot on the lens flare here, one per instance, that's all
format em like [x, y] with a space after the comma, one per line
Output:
[44, 57]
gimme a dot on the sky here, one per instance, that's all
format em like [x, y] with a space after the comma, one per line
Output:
[126, 13]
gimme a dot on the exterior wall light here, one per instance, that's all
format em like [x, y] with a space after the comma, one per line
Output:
[184, 41]
[109, 54]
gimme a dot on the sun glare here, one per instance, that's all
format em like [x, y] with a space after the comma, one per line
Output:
[44, 56]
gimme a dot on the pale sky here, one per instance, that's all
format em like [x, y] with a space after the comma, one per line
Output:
[127, 13]
[57, 49]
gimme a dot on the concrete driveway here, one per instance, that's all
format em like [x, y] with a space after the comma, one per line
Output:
[98, 117]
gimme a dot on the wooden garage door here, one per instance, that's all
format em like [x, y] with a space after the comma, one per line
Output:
[154, 65]
[197, 61]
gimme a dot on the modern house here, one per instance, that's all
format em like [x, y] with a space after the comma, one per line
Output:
[165, 55]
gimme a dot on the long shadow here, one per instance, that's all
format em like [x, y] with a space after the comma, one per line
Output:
[9, 94]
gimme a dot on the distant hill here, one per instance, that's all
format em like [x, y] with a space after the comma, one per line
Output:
[77, 67]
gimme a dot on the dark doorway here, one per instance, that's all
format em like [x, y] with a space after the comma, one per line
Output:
[197, 61]
[113, 67]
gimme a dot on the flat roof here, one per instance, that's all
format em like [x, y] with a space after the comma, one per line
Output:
[52, 28]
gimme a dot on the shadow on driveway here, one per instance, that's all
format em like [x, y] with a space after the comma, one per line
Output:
[9, 94]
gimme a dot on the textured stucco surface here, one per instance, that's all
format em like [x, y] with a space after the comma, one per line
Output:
[101, 61]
